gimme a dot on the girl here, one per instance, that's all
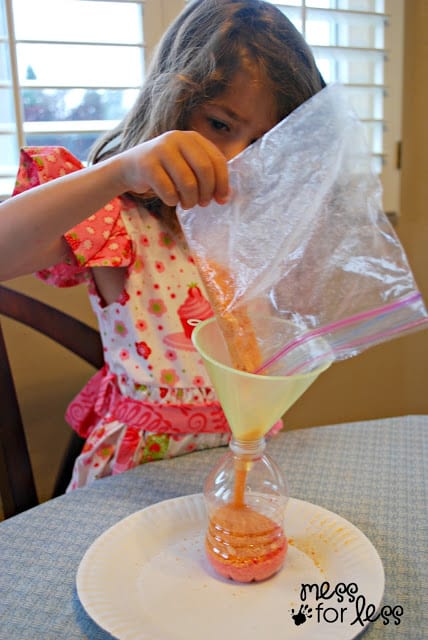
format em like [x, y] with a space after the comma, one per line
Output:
[225, 72]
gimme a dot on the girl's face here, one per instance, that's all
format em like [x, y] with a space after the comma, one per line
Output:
[239, 116]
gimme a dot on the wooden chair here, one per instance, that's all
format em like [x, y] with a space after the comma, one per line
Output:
[17, 487]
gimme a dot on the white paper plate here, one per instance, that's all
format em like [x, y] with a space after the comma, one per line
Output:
[146, 578]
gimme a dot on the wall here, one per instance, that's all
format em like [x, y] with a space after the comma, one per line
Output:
[389, 379]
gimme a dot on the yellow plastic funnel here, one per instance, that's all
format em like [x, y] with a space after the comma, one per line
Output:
[252, 403]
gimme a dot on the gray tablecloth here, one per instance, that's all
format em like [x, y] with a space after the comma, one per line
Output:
[371, 473]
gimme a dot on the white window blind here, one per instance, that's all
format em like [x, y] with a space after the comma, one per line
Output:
[359, 43]
[70, 69]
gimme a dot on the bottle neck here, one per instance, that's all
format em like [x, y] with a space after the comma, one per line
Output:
[250, 448]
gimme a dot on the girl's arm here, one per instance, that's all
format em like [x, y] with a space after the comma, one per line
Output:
[32, 224]
[179, 166]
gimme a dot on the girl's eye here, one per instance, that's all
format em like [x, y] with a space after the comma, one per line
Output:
[218, 125]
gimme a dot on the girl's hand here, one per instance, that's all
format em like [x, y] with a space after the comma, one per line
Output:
[179, 167]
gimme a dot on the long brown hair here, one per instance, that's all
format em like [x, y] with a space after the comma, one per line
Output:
[197, 59]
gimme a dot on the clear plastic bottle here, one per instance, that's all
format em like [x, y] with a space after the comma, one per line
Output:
[246, 496]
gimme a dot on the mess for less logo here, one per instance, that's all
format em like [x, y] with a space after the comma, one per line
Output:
[341, 603]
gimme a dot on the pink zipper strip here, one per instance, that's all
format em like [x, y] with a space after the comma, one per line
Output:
[374, 339]
[340, 324]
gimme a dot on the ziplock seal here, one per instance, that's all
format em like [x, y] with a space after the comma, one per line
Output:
[384, 314]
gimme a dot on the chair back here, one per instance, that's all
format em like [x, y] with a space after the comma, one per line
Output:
[17, 486]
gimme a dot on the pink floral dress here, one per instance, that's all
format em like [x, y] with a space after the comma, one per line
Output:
[153, 398]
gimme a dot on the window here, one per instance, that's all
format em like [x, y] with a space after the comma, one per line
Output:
[359, 43]
[70, 69]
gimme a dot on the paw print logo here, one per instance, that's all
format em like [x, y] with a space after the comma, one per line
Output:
[302, 615]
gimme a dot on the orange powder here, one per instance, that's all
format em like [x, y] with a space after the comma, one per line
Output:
[240, 481]
[235, 325]
[244, 545]
[241, 544]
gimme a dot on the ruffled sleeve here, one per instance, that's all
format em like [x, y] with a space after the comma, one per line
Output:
[100, 240]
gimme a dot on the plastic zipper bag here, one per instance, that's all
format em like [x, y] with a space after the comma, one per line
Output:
[308, 260]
